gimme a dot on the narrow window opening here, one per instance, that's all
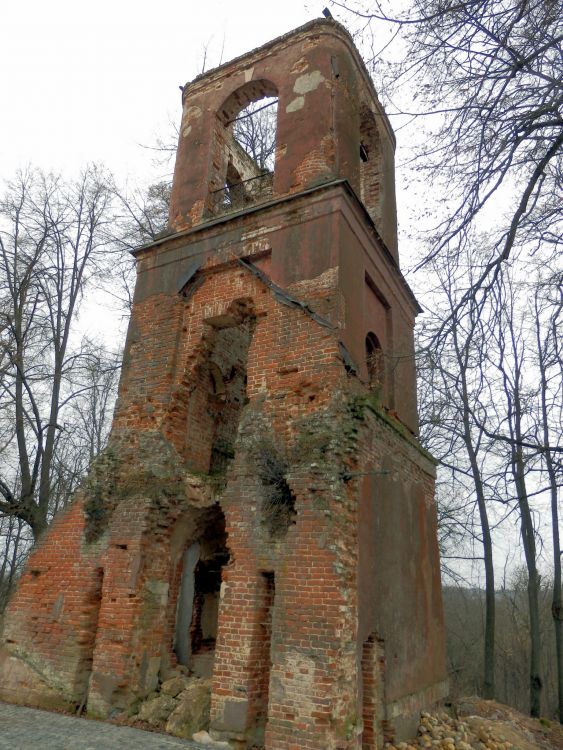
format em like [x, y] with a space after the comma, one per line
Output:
[229, 362]
[373, 710]
[374, 362]
[267, 592]
[217, 390]
[91, 614]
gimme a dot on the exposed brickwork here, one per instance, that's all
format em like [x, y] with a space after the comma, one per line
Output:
[263, 509]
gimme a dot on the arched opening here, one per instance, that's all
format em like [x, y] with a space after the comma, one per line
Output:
[197, 608]
[370, 165]
[254, 129]
[375, 363]
[244, 148]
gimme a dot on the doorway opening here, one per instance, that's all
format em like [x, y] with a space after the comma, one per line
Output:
[197, 610]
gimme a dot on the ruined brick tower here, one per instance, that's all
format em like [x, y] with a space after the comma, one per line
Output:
[264, 510]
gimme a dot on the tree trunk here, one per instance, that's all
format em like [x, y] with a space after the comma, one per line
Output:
[529, 543]
[556, 604]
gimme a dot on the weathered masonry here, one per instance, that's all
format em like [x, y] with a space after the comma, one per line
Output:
[264, 511]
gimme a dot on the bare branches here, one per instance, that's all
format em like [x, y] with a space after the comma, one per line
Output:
[487, 76]
[53, 241]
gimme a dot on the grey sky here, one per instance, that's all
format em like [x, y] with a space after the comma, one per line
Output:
[86, 82]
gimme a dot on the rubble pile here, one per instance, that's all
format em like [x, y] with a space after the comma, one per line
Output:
[444, 732]
[180, 706]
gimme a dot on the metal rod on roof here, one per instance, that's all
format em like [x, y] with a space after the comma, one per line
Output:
[250, 114]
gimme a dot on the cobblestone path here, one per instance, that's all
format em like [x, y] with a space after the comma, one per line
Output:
[30, 729]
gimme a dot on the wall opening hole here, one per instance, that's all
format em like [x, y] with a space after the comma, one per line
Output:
[254, 129]
[90, 613]
[278, 500]
[250, 167]
[219, 390]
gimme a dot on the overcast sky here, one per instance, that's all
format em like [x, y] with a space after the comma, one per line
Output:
[86, 82]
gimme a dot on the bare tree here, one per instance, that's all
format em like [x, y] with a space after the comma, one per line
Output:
[14, 543]
[514, 408]
[481, 84]
[255, 130]
[456, 382]
[53, 241]
[548, 303]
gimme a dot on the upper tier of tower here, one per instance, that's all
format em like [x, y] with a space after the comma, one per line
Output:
[329, 126]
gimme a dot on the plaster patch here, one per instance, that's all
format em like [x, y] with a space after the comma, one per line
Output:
[248, 73]
[192, 113]
[296, 104]
[308, 82]
[159, 589]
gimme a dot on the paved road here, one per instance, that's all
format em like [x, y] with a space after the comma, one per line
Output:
[29, 729]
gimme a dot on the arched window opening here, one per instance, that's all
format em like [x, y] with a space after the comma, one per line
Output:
[370, 165]
[245, 148]
[254, 130]
[375, 364]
